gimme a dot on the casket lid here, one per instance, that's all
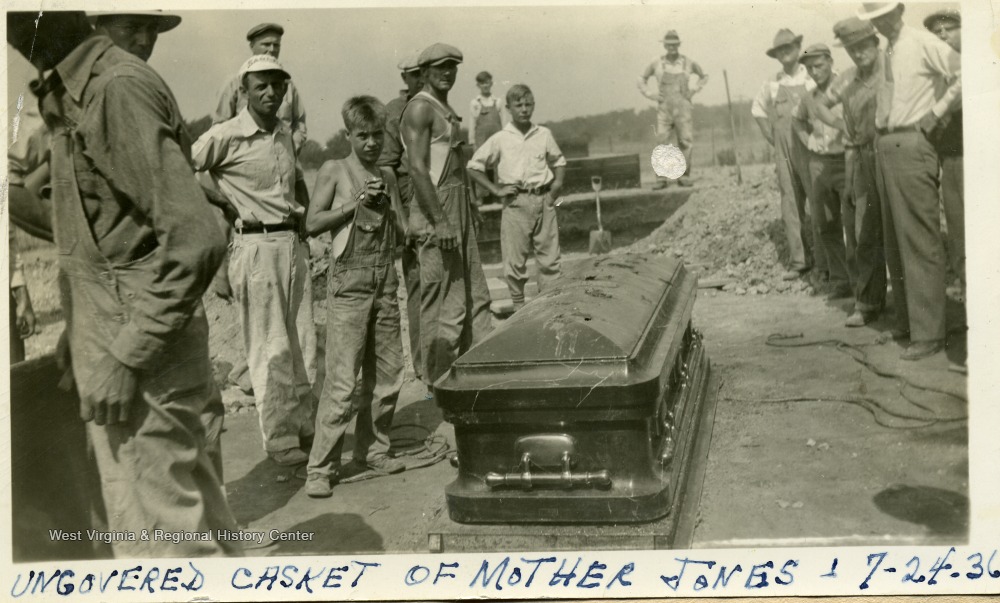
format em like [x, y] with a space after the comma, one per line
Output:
[601, 310]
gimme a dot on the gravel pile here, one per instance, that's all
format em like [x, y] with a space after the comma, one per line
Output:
[730, 233]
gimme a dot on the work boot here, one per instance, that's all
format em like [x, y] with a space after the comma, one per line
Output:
[922, 349]
[289, 457]
[685, 182]
[661, 183]
[793, 274]
[318, 486]
[383, 464]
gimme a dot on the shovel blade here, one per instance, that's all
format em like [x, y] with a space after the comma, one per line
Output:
[600, 242]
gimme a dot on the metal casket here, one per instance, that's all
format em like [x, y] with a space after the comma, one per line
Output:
[581, 407]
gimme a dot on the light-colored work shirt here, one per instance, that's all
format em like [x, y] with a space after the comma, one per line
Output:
[254, 168]
[232, 100]
[524, 160]
[823, 139]
[922, 74]
[764, 101]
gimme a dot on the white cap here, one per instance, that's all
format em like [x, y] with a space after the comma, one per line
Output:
[262, 62]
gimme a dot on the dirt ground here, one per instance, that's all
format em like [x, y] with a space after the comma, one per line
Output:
[808, 472]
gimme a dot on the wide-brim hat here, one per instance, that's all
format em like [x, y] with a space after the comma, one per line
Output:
[872, 10]
[947, 14]
[262, 62]
[166, 20]
[852, 30]
[784, 37]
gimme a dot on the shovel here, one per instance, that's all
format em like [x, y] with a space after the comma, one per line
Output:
[600, 239]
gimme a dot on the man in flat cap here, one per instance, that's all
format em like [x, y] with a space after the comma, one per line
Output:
[947, 25]
[455, 300]
[674, 90]
[251, 160]
[394, 156]
[922, 88]
[855, 91]
[138, 246]
[825, 184]
[265, 39]
[772, 109]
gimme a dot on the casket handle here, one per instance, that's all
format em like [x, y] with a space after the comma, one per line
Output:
[526, 480]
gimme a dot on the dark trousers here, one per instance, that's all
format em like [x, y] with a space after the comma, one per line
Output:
[826, 188]
[862, 216]
[908, 184]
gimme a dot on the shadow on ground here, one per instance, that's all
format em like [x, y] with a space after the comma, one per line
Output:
[942, 512]
[333, 533]
[264, 489]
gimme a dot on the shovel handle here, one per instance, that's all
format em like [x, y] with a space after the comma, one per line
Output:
[600, 227]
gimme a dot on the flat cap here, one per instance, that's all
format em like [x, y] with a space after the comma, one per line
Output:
[409, 62]
[262, 62]
[672, 37]
[438, 53]
[946, 14]
[852, 30]
[165, 21]
[816, 50]
[263, 28]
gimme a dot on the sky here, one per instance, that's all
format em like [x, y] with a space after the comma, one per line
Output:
[579, 60]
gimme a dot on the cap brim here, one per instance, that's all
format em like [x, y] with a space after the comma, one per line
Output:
[281, 71]
[166, 22]
[442, 61]
[841, 44]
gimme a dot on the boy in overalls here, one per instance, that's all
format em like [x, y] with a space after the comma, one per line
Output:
[356, 201]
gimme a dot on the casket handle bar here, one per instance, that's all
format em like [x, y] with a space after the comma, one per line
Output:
[548, 450]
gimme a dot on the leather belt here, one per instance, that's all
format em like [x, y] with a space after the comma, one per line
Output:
[884, 131]
[538, 190]
[264, 228]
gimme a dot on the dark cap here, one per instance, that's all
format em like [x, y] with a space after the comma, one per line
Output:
[672, 37]
[816, 50]
[438, 53]
[784, 37]
[263, 28]
[947, 14]
[852, 30]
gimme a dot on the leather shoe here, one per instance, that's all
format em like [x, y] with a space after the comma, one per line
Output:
[289, 457]
[793, 274]
[860, 318]
[684, 182]
[922, 349]
[660, 184]
[318, 486]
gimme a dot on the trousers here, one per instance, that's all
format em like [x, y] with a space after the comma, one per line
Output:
[363, 320]
[269, 272]
[826, 187]
[862, 215]
[908, 184]
[673, 117]
[792, 168]
[953, 197]
[528, 224]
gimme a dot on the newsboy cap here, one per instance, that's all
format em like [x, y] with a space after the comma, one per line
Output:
[409, 62]
[816, 50]
[165, 21]
[672, 37]
[438, 53]
[783, 38]
[263, 28]
[852, 30]
[946, 14]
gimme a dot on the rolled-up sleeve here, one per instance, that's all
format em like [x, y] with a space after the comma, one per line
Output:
[485, 156]
[133, 140]
[553, 154]
[944, 61]
[298, 116]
